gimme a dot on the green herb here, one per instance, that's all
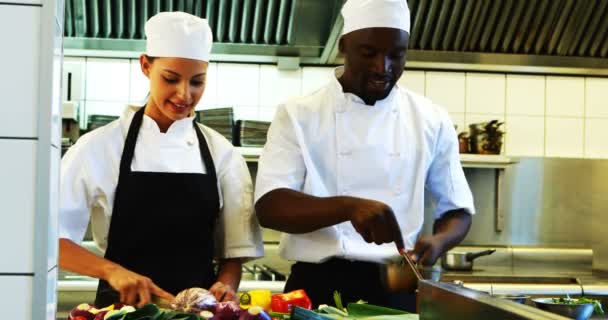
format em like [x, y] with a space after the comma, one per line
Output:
[338, 300]
[597, 306]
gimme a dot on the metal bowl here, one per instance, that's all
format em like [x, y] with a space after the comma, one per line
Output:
[513, 297]
[573, 311]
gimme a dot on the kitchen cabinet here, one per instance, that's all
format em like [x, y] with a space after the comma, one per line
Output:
[19, 62]
[18, 204]
[16, 293]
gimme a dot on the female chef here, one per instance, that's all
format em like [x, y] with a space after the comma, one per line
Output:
[165, 196]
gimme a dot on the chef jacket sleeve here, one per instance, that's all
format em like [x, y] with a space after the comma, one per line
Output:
[75, 192]
[239, 233]
[281, 164]
[445, 178]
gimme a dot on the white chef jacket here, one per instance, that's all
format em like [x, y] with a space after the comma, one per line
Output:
[330, 143]
[90, 169]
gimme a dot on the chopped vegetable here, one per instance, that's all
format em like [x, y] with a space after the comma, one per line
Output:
[597, 306]
[338, 300]
[194, 300]
[227, 310]
[254, 313]
[84, 311]
[284, 302]
[261, 298]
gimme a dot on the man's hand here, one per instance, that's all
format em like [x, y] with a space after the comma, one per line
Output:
[427, 250]
[223, 292]
[375, 221]
[134, 288]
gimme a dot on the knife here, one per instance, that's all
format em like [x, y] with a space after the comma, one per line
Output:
[411, 264]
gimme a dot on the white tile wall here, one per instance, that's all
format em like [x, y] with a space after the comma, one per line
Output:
[524, 100]
[19, 65]
[16, 293]
[209, 99]
[596, 97]
[17, 196]
[77, 68]
[596, 138]
[107, 79]
[525, 136]
[525, 95]
[238, 85]
[314, 78]
[485, 93]
[139, 85]
[565, 96]
[104, 107]
[413, 80]
[564, 137]
[447, 89]
[277, 86]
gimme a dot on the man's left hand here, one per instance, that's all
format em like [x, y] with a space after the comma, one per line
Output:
[223, 292]
[427, 250]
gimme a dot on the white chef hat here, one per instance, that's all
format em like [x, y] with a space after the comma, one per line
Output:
[178, 35]
[361, 14]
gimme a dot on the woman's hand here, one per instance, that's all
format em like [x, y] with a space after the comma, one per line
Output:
[223, 292]
[134, 288]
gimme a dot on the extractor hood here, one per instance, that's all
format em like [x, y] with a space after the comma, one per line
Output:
[527, 34]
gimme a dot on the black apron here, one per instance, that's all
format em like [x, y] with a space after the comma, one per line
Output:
[354, 280]
[162, 223]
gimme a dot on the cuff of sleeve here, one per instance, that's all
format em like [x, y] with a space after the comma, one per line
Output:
[246, 254]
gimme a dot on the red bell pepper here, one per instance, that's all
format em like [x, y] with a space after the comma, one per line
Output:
[284, 302]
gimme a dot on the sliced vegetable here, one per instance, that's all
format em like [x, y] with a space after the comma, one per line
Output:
[194, 300]
[254, 313]
[84, 311]
[597, 305]
[368, 310]
[286, 301]
[332, 310]
[227, 310]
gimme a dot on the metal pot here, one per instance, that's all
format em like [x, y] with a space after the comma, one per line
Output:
[462, 260]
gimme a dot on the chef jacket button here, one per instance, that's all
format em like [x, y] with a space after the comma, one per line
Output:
[345, 153]
[394, 154]
[190, 142]
[395, 110]
[344, 192]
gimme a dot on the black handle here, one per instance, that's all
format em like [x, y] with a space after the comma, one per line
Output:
[472, 256]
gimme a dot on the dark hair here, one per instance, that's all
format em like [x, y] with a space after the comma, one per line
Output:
[151, 59]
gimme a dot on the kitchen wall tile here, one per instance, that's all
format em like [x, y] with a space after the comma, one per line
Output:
[104, 108]
[485, 93]
[413, 80]
[525, 95]
[525, 136]
[596, 142]
[139, 84]
[458, 121]
[314, 78]
[278, 86]
[565, 96]
[446, 89]
[596, 97]
[16, 293]
[238, 84]
[209, 99]
[564, 137]
[107, 79]
[246, 113]
[74, 74]
[17, 205]
[267, 113]
[19, 64]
